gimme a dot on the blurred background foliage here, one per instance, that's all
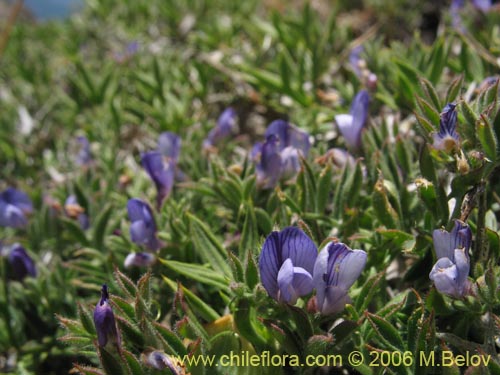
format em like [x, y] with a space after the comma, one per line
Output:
[122, 72]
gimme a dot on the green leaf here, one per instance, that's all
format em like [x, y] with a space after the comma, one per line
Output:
[468, 130]
[454, 89]
[73, 227]
[196, 303]
[208, 247]
[198, 272]
[248, 325]
[133, 363]
[386, 332]
[86, 319]
[430, 112]
[437, 60]
[173, 342]
[431, 93]
[251, 273]
[324, 188]
[384, 211]
[263, 220]
[126, 285]
[249, 235]
[100, 226]
[110, 363]
[132, 335]
[368, 290]
[487, 138]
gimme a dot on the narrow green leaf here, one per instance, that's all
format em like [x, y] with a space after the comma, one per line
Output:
[386, 332]
[263, 220]
[368, 290]
[196, 303]
[133, 363]
[431, 93]
[249, 235]
[487, 138]
[100, 226]
[207, 246]
[324, 188]
[174, 343]
[429, 111]
[198, 272]
[454, 89]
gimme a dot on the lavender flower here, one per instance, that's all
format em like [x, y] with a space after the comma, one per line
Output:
[162, 172]
[286, 264]
[160, 360]
[268, 159]
[84, 156]
[351, 125]
[289, 135]
[451, 271]
[456, 20]
[14, 206]
[20, 263]
[143, 227]
[104, 321]
[278, 158]
[226, 125]
[139, 260]
[355, 60]
[75, 211]
[482, 5]
[336, 269]
[169, 145]
[447, 137]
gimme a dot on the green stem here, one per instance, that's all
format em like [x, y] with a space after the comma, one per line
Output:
[481, 250]
[6, 310]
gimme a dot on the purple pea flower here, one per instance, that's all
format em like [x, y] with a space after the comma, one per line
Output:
[73, 209]
[482, 5]
[447, 138]
[268, 159]
[169, 145]
[451, 271]
[139, 260]
[20, 263]
[278, 158]
[104, 321]
[14, 206]
[160, 360]
[226, 125]
[336, 269]
[143, 227]
[351, 125]
[355, 60]
[286, 264]
[162, 172]
[289, 136]
[84, 156]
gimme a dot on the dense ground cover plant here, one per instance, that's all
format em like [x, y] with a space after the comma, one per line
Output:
[208, 177]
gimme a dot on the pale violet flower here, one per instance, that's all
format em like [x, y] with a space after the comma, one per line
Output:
[335, 270]
[451, 271]
[350, 125]
[286, 264]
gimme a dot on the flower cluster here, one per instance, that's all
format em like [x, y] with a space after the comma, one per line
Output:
[290, 267]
